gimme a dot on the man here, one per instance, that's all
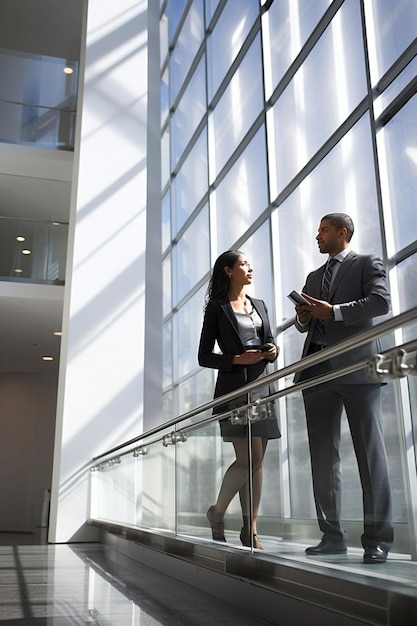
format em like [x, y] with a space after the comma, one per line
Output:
[344, 298]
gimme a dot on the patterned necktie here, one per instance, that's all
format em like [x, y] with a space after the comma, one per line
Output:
[320, 333]
[327, 279]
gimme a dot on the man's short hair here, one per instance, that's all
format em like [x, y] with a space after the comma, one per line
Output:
[341, 220]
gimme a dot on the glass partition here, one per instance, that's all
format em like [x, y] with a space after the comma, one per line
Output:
[33, 251]
[172, 482]
[390, 33]
[114, 488]
[318, 100]
[186, 46]
[226, 128]
[286, 27]
[136, 488]
[38, 96]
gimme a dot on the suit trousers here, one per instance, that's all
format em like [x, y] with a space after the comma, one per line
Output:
[324, 405]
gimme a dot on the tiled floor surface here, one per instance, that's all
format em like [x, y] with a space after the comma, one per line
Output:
[71, 585]
[63, 585]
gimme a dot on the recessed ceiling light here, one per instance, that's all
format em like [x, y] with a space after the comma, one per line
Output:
[68, 70]
[56, 223]
[18, 270]
[20, 238]
[58, 333]
[47, 358]
[26, 251]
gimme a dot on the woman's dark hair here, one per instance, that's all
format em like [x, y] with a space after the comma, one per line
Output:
[219, 282]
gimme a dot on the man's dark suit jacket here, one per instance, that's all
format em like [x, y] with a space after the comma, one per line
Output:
[360, 288]
[220, 324]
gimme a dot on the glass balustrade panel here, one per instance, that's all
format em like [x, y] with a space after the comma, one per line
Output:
[38, 97]
[155, 505]
[33, 251]
[207, 473]
[115, 490]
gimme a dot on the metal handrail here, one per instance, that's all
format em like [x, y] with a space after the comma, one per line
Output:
[383, 328]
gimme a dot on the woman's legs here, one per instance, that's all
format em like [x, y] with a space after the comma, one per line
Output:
[236, 480]
[258, 452]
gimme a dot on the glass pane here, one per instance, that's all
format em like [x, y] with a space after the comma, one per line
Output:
[286, 27]
[34, 80]
[344, 181]
[320, 97]
[202, 461]
[391, 31]
[166, 221]
[164, 96]
[174, 11]
[166, 285]
[192, 255]
[397, 148]
[156, 487]
[167, 352]
[196, 390]
[33, 250]
[258, 251]
[242, 194]
[165, 169]
[412, 385]
[189, 113]
[38, 97]
[392, 442]
[211, 6]
[300, 484]
[114, 490]
[168, 406]
[237, 109]
[395, 87]
[187, 328]
[226, 40]
[407, 291]
[191, 182]
[186, 47]
[301, 491]
[163, 34]
[46, 128]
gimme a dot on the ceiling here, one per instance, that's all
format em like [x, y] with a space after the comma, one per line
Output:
[30, 314]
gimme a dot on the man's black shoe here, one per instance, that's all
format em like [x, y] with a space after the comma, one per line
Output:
[327, 547]
[375, 554]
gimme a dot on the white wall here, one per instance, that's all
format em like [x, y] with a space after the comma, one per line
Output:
[100, 394]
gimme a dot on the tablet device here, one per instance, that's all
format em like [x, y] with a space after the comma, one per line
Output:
[297, 298]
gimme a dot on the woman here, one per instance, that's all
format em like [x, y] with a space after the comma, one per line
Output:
[241, 328]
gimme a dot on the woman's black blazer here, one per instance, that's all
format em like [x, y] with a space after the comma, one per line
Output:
[220, 325]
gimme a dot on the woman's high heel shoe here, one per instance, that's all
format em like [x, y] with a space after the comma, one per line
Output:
[245, 538]
[217, 528]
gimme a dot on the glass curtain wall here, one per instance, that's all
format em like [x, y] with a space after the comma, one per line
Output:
[275, 113]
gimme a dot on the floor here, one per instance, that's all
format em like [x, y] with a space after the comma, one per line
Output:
[63, 585]
[73, 584]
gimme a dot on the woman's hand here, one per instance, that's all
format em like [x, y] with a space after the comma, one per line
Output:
[249, 357]
[270, 355]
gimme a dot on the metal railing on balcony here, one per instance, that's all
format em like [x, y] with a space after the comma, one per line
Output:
[164, 478]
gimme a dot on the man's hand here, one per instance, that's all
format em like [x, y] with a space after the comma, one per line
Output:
[319, 309]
